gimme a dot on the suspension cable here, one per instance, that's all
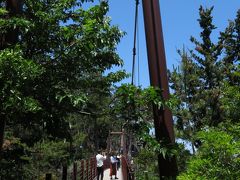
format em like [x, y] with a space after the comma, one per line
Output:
[134, 41]
[138, 59]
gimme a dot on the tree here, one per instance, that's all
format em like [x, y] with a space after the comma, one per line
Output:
[231, 44]
[185, 81]
[206, 83]
[63, 51]
[133, 106]
[218, 157]
[198, 82]
[231, 68]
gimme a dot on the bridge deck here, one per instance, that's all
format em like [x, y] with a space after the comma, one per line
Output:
[107, 172]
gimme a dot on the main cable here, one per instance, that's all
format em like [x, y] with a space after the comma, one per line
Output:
[138, 59]
[134, 41]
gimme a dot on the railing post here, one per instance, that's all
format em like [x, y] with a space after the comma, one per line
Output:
[64, 172]
[90, 172]
[87, 169]
[48, 176]
[74, 171]
[95, 167]
[82, 169]
[124, 169]
[92, 167]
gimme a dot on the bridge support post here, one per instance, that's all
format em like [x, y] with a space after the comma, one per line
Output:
[158, 78]
[74, 171]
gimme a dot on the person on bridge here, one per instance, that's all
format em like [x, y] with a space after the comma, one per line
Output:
[113, 166]
[100, 168]
[118, 157]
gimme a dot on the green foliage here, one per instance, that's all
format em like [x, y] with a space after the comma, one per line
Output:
[48, 156]
[133, 106]
[231, 102]
[231, 46]
[182, 156]
[19, 160]
[163, 148]
[146, 165]
[3, 11]
[57, 94]
[198, 81]
[15, 75]
[14, 157]
[218, 156]
[207, 88]
[55, 84]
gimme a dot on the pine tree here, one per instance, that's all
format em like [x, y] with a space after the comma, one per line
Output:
[184, 80]
[200, 77]
[231, 43]
[207, 85]
[207, 57]
[231, 69]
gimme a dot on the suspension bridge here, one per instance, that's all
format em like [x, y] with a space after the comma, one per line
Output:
[86, 169]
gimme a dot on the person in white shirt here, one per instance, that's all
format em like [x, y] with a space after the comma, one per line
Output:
[100, 159]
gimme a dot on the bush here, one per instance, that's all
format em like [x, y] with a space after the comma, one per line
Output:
[218, 157]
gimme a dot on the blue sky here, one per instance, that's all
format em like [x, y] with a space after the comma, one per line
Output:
[179, 22]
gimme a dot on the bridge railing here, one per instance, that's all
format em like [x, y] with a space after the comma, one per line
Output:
[127, 169]
[81, 170]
